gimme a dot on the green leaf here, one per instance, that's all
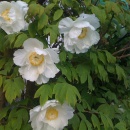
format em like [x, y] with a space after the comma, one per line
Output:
[2, 127]
[105, 122]
[121, 126]
[8, 65]
[10, 39]
[65, 92]
[100, 13]
[120, 72]
[27, 1]
[75, 121]
[87, 2]
[53, 33]
[20, 39]
[107, 110]
[57, 14]
[1, 81]
[111, 96]
[32, 29]
[49, 7]
[43, 20]
[44, 92]
[102, 57]
[93, 57]
[80, 107]
[111, 69]
[84, 75]
[62, 56]
[26, 127]
[95, 121]
[35, 9]
[12, 88]
[110, 57]
[66, 70]
[82, 125]
[103, 73]
[17, 119]
[68, 2]
[74, 74]
[2, 62]
[112, 6]
[20, 116]
[108, 5]
[88, 124]
[3, 112]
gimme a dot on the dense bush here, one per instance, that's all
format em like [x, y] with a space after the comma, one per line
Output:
[95, 82]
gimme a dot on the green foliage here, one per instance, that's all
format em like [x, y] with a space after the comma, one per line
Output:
[66, 92]
[58, 14]
[44, 92]
[95, 83]
[13, 88]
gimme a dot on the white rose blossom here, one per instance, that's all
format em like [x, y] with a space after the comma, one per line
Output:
[79, 35]
[51, 116]
[12, 16]
[36, 63]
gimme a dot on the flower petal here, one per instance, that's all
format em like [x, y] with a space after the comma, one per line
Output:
[20, 57]
[48, 127]
[83, 24]
[29, 72]
[65, 25]
[94, 36]
[42, 79]
[50, 103]
[51, 71]
[54, 56]
[32, 43]
[92, 19]
[75, 32]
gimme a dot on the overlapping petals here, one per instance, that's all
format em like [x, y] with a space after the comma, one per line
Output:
[51, 116]
[36, 63]
[81, 34]
[12, 16]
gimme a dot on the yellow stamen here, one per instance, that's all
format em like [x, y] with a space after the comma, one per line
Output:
[36, 59]
[83, 33]
[51, 114]
[5, 15]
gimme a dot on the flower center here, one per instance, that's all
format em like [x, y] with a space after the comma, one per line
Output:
[5, 15]
[51, 114]
[83, 33]
[36, 59]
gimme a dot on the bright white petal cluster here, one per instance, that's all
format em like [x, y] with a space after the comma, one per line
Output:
[37, 64]
[12, 16]
[79, 35]
[51, 116]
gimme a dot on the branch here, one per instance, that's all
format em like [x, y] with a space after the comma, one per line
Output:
[2, 98]
[125, 36]
[107, 26]
[123, 49]
[123, 56]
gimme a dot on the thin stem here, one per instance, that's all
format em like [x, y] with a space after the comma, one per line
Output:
[123, 49]
[123, 56]
[107, 26]
[125, 36]
[2, 98]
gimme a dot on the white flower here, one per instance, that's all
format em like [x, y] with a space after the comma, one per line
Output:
[51, 116]
[37, 64]
[12, 16]
[79, 35]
